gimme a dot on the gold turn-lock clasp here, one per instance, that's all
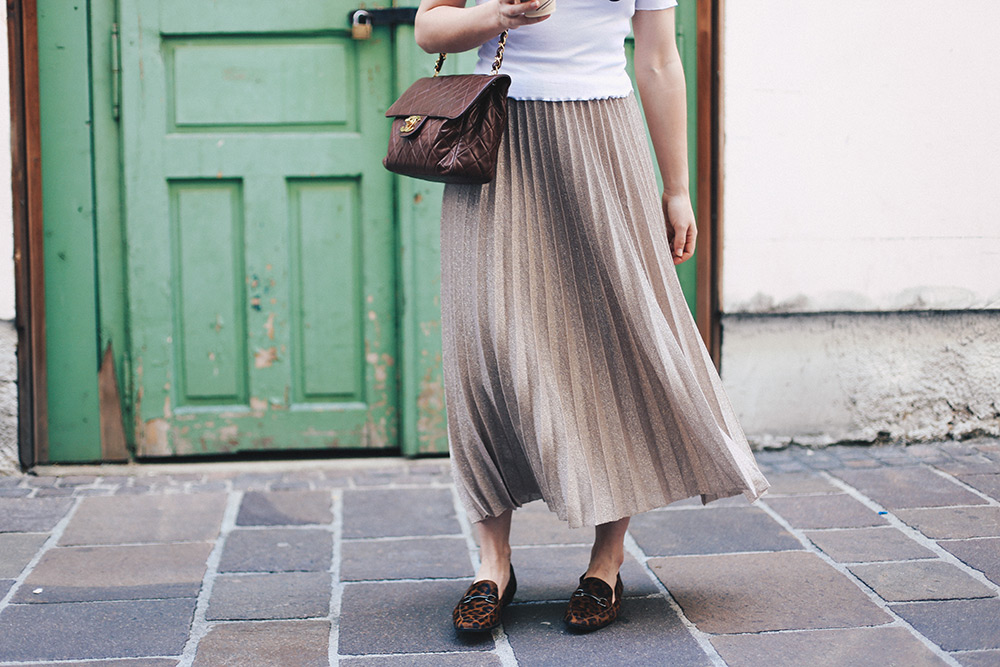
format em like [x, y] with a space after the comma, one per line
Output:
[361, 25]
[410, 124]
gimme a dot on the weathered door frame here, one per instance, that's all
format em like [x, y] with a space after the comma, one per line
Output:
[22, 27]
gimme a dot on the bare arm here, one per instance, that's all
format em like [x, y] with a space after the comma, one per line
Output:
[660, 77]
[449, 26]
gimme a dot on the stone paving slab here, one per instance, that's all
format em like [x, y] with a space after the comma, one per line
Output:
[285, 508]
[432, 660]
[32, 515]
[553, 573]
[899, 488]
[397, 618]
[853, 647]
[988, 484]
[399, 513]
[402, 552]
[426, 558]
[536, 524]
[956, 625]
[17, 550]
[978, 658]
[827, 511]
[708, 531]
[146, 518]
[982, 554]
[137, 572]
[758, 592]
[277, 550]
[920, 580]
[124, 662]
[954, 522]
[274, 595]
[792, 484]
[88, 630]
[284, 643]
[868, 545]
[646, 633]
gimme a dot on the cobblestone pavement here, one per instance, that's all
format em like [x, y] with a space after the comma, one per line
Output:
[858, 556]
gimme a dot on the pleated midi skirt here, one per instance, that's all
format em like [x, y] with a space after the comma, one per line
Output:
[573, 370]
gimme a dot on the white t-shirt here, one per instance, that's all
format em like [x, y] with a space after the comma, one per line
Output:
[578, 53]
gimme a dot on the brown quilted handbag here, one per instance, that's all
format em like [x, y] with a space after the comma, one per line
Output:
[448, 128]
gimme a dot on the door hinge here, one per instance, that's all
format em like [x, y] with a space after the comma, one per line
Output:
[116, 74]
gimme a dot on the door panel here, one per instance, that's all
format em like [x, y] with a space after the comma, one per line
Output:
[259, 226]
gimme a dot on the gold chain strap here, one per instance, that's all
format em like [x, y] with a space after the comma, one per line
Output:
[497, 60]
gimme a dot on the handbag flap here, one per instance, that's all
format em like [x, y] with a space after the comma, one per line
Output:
[445, 96]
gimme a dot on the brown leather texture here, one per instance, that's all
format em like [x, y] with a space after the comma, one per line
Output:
[463, 120]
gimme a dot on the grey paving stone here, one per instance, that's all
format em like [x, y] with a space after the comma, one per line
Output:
[897, 488]
[54, 492]
[5, 585]
[76, 480]
[41, 481]
[15, 492]
[709, 530]
[93, 630]
[865, 545]
[853, 647]
[399, 512]
[285, 508]
[978, 658]
[17, 550]
[125, 662]
[785, 590]
[202, 487]
[427, 660]
[647, 632]
[414, 558]
[284, 643]
[277, 550]
[32, 515]
[76, 574]
[146, 518]
[534, 523]
[827, 511]
[970, 465]
[956, 625]
[862, 463]
[553, 572]
[920, 580]
[982, 554]
[988, 484]
[404, 617]
[793, 484]
[274, 595]
[8, 481]
[954, 522]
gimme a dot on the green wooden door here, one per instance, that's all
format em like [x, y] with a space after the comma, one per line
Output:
[686, 18]
[259, 227]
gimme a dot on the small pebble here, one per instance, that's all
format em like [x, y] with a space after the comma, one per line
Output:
[37, 591]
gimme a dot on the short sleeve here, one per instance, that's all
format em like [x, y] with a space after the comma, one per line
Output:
[654, 4]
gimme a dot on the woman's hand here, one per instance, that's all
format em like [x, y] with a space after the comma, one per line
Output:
[682, 231]
[448, 26]
[511, 13]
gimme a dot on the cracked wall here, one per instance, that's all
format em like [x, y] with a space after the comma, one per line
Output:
[819, 379]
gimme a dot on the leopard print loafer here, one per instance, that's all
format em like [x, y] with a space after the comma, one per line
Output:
[590, 607]
[480, 607]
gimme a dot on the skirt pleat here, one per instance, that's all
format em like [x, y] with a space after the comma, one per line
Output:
[573, 369]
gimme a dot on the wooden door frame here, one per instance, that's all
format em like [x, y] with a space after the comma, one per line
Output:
[26, 183]
[709, 177]
[29, 270]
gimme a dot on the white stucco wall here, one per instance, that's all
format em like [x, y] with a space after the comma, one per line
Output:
[862, 155]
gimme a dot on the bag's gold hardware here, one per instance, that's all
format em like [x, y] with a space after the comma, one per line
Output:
[497, 59]
[410, 124]
[361, 25]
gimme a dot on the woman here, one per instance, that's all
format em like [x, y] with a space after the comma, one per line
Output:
[573, 370]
